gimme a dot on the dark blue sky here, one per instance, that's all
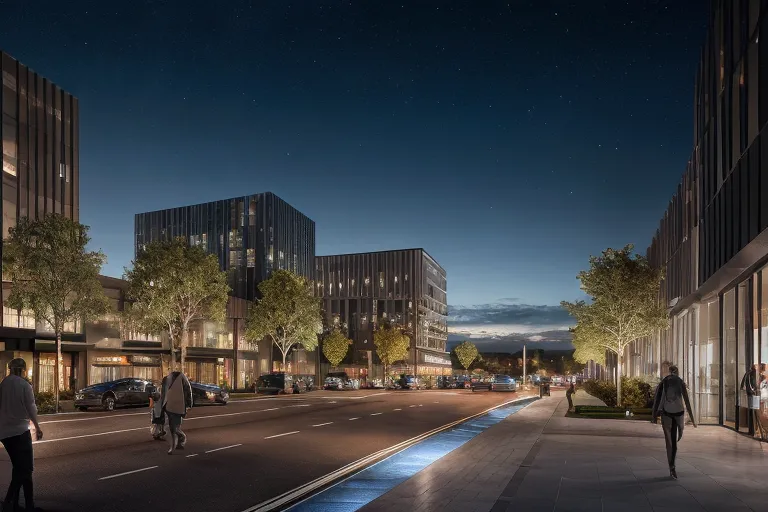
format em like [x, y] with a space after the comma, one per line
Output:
[510, 139]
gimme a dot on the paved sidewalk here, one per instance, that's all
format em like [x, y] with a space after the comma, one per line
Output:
[540, 460]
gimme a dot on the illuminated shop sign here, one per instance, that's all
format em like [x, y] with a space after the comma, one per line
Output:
[111, 360]
[146, 360]
[429, 358]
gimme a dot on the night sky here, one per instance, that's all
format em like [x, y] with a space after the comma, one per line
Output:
[511, 140]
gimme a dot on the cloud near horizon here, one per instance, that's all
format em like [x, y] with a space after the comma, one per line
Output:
[508, 324]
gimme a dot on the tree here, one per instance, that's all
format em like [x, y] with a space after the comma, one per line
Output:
[625, 305]
[54, 276]
[336, 346]
[392, 345]
[288, 313]
[172, 285]
[466, 353]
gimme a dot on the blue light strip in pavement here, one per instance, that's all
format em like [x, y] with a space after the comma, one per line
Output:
[362, 488]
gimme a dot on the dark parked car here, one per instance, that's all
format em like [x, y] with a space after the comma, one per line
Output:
[208, 394]
[337, 381]
[280, 382]
[109, 395]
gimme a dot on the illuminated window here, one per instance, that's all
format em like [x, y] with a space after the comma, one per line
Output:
[251, 257]
[381, 279]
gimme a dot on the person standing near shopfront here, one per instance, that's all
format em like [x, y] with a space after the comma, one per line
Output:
[17, 409]
[176, 399]
[670, 403]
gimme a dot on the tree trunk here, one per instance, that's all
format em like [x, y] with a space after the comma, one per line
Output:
[173, 354]
[619, 364]
[57, 371]
[183, 348]
[285, 353]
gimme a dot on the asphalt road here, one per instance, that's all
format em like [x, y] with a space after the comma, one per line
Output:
[236, 455]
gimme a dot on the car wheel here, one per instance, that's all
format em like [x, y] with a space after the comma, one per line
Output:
[109, 403]
[83, 409]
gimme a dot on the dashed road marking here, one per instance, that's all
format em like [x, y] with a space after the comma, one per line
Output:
[322, 424]
[397, 409]
[353, 419]
[375, 413]
[283, 434]
[224, 448]
[127, 473]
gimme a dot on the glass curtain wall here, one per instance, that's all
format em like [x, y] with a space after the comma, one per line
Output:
[706, 382]
[730, 369]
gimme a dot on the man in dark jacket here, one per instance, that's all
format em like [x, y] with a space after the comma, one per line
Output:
[670, 403]
[177, 400]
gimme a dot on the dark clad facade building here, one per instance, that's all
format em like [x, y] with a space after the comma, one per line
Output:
[405, 287]
[713, 239]
[251, 235]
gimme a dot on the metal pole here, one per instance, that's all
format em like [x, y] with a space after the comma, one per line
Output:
[525, 362]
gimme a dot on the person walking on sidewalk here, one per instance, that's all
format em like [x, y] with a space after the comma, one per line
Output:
[670, 403]
[176, 399]
[17, 409]
[569, 396]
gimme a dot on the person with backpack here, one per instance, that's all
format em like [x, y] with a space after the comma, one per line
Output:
[670, 403]
[176, 400]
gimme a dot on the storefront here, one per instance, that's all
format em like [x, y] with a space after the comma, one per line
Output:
[105, 367]
[432, 365]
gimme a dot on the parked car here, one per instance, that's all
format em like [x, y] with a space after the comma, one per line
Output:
[337, 381]
[481, 383]
[112, 394]
[280, 382]
[503, 383]
[409, 382]
[208, 394]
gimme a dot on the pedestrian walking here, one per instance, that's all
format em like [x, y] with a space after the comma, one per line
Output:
[17, 409]
[177, 400]
[569, 395]
[670, 403]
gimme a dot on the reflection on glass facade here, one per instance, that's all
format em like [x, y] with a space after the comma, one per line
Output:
[251, 235]
[39, 131]
[407, 287]
[713, 238]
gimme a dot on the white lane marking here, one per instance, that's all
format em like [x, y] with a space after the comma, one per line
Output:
[91, 418]
[224, 448]
[322, 424]
[300, 405]
[127, 473]
[411, 406]
[421, 405]
[90, 435]
[437, 402]
[354, 397]
[375, 413]
[281, 435]
[397, 409]
[193, 455]
[142, 428]
[333, 402]
[353, 419]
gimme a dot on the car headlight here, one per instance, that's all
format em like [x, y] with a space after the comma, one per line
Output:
[79, 396]
[210, 395]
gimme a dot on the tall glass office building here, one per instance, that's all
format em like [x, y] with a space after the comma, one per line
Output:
[713, 239]
[251, 235]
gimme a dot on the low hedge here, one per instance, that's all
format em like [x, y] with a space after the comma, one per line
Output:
[635, 392]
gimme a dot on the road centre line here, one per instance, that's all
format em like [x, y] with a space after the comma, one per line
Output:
[193, 455]
[69, 438]
[127, 473]
[397, 409]
[91, 418]
[90, 435]
[284, 434]
[375, 413]
[224, 448]
[411, 406]
[322, 424]
[353, 419]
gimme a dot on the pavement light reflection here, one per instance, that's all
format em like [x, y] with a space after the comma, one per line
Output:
[362, 488]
